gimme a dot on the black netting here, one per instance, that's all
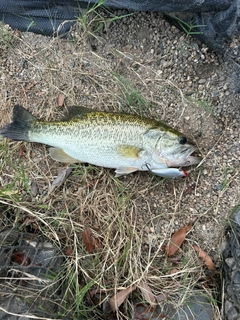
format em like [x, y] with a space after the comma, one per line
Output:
[218, 20]
[29, 276]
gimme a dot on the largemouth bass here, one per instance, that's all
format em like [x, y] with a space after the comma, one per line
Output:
[121, 141]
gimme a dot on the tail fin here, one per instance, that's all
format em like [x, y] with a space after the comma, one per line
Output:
[20, 125]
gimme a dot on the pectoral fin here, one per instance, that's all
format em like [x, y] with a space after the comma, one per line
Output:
[127, 151]
[124, 170]
[59, 155]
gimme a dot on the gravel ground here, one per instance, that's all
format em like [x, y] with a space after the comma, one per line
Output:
[186, 85]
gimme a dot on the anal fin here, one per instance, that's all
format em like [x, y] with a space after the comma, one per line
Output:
[124, 170]
[61, 156]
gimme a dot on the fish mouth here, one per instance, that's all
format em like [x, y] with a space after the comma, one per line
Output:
[184, 157]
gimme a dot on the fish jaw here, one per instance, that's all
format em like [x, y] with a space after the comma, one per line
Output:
[183, 157]
[193, 160]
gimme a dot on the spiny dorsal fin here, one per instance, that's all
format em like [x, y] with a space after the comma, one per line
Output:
[76, 112]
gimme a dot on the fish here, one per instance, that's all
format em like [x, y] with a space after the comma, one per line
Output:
[122, 141]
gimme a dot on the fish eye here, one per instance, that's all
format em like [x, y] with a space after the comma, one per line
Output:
[182, 140]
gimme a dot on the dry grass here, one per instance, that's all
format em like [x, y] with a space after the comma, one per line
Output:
[133, 217]
[109, 208]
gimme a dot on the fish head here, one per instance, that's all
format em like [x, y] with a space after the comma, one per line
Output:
[176, 150]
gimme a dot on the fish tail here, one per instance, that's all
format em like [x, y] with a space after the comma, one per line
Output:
[18, 129]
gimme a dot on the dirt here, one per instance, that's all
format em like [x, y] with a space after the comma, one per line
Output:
[139, 64]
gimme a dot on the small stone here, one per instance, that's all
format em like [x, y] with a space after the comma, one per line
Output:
[217, 131]
[237, 252]
[201, 81]
[230, 262]
[233, 314]
[236, 278]
[228, 305]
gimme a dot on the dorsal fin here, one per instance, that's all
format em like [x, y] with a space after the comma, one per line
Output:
[76, 112]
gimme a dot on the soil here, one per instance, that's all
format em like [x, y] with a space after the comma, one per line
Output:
[139, 64]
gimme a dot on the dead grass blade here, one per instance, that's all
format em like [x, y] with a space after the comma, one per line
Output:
[206, 258]
[20, 258]
[60, 99]
[61, 178]
[177, 240]
[91, 241]
[120, 297]
[88, 239]
[161, 297]
[147, 292]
